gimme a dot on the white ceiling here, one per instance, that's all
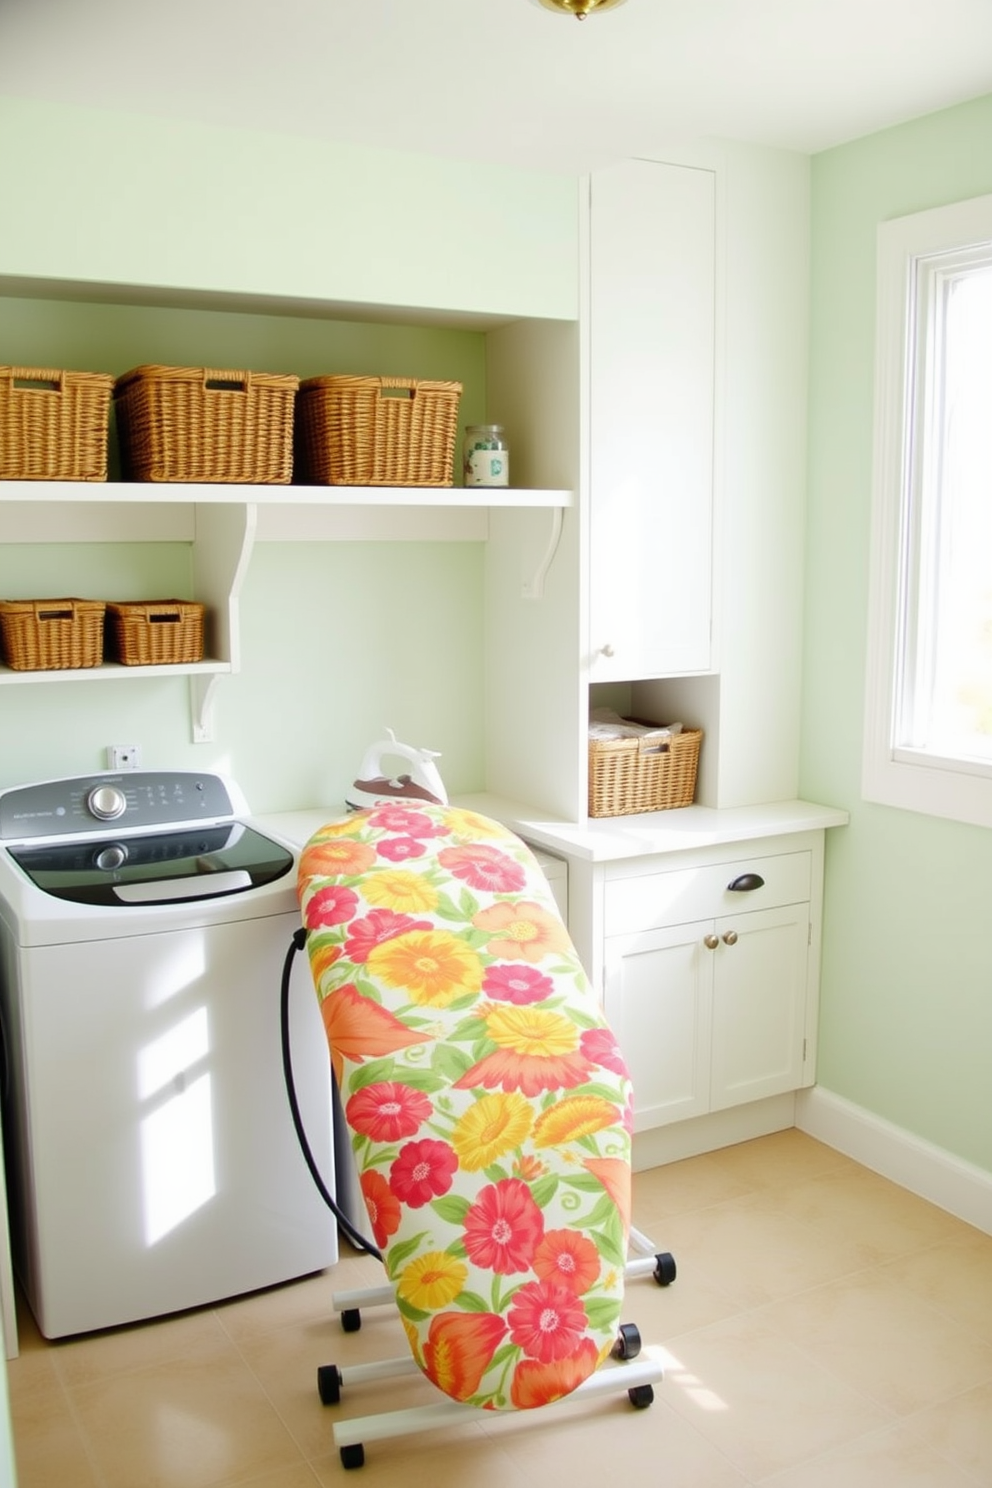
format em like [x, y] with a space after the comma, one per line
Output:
[506, 79]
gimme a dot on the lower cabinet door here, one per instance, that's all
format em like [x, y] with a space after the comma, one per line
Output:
[710, 1014]
[759, 1001]
[658, 998]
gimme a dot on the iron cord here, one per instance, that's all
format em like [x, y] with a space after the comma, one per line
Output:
[297, 943]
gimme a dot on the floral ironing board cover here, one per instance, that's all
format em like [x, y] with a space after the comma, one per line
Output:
[487, 1101]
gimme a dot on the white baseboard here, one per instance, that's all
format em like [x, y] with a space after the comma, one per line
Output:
[934, 1174]
[665, 1144]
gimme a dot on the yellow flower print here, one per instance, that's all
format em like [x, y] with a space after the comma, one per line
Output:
[576, 1116]
[469, 825]
[432, 1281]
[433, 966]
[493, 1126]
[395, 888]
[531, 1030]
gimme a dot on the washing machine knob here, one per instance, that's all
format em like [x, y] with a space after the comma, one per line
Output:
[111, 858]
[106, 802]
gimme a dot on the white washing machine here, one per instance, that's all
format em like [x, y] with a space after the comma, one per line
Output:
[152, 1160]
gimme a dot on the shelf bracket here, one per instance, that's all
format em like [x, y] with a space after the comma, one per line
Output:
[202, 696]
[533, 587]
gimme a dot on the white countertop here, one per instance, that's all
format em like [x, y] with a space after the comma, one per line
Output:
[608, 838]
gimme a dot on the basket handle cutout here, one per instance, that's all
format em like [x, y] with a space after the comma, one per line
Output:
[53, 614]
[37, 384]
[226, 384]
[172, 619]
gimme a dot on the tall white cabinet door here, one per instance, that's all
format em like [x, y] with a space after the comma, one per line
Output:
[651, 360]
[759, 1004]
[658, 1000]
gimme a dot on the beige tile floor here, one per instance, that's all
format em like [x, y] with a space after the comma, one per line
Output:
[826, 1328]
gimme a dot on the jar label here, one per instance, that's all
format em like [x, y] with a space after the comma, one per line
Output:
[487, 468]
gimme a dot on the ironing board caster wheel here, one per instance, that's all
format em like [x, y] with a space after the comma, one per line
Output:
[354, 1455]
[351, 1319]
[329, 1384]
[664, 1271]
[628, 1344]
[641, 1396]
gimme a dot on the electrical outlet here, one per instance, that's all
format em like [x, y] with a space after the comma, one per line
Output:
[123, 756]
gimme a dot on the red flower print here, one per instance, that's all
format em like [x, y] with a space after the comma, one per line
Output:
[334, 905]
[382, 1205]
[600, 1047]
[377, 926]
[422, 1171]
[519, 984]
[503, 1227]
[568, 1258]
[483, 867]
[538, 1384]
[400, 849]
[387, 1111]
[404, 819]
[547, 1321]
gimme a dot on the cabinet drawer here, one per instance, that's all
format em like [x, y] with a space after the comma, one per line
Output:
[652, 900]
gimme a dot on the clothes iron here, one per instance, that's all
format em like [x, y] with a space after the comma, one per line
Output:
[373, 786]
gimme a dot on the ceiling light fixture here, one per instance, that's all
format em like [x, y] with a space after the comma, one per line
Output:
[580, 8]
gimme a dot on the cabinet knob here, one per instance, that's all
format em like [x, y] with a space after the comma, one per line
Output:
[607, 650]
[711, 942]
[730, 937]
[745, 883]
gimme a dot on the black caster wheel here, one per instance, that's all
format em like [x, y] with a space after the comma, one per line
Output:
[664, 1270]
[351, 1319]
[641, 1396]
[354, 1456]
[628, 1344]
[329, 1384]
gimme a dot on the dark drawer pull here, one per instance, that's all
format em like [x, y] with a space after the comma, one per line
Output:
[746, 883]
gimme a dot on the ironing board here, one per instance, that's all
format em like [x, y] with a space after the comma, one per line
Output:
[489, 1111]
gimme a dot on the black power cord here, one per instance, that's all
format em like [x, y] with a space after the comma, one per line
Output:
[297, 943]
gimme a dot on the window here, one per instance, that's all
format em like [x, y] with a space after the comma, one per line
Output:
[928, 714]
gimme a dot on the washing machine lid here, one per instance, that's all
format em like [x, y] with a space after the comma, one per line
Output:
[199, 862]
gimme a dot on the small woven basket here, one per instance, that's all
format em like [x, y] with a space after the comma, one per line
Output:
[41, 635]
[53, 424]
[199, 424]
[631, 775]
[376, 431]
[155, 632]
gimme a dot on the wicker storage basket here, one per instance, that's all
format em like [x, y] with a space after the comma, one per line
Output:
[199, 424]
[53, 425]
[154, 632]
[40, 635]
[376, 431]
[630, 775]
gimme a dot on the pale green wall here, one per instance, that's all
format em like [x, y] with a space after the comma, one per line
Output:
[906, 1022]
[97, 196]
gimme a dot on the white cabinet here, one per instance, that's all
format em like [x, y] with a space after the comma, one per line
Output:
[652, 262]
[707, 980]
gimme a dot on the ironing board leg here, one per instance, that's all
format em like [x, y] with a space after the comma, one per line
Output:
[352, 1434]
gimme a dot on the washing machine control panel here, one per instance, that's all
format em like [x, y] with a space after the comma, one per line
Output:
[135, 798]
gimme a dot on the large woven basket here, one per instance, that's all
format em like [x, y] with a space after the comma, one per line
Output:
[53, 424]
[155, 632]
[200, 424]
[41, 635]
[376, 431]
[631, 775]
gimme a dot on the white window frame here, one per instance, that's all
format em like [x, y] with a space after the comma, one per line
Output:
[913, 780]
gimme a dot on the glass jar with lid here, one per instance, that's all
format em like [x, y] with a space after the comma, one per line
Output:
[485, 457]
